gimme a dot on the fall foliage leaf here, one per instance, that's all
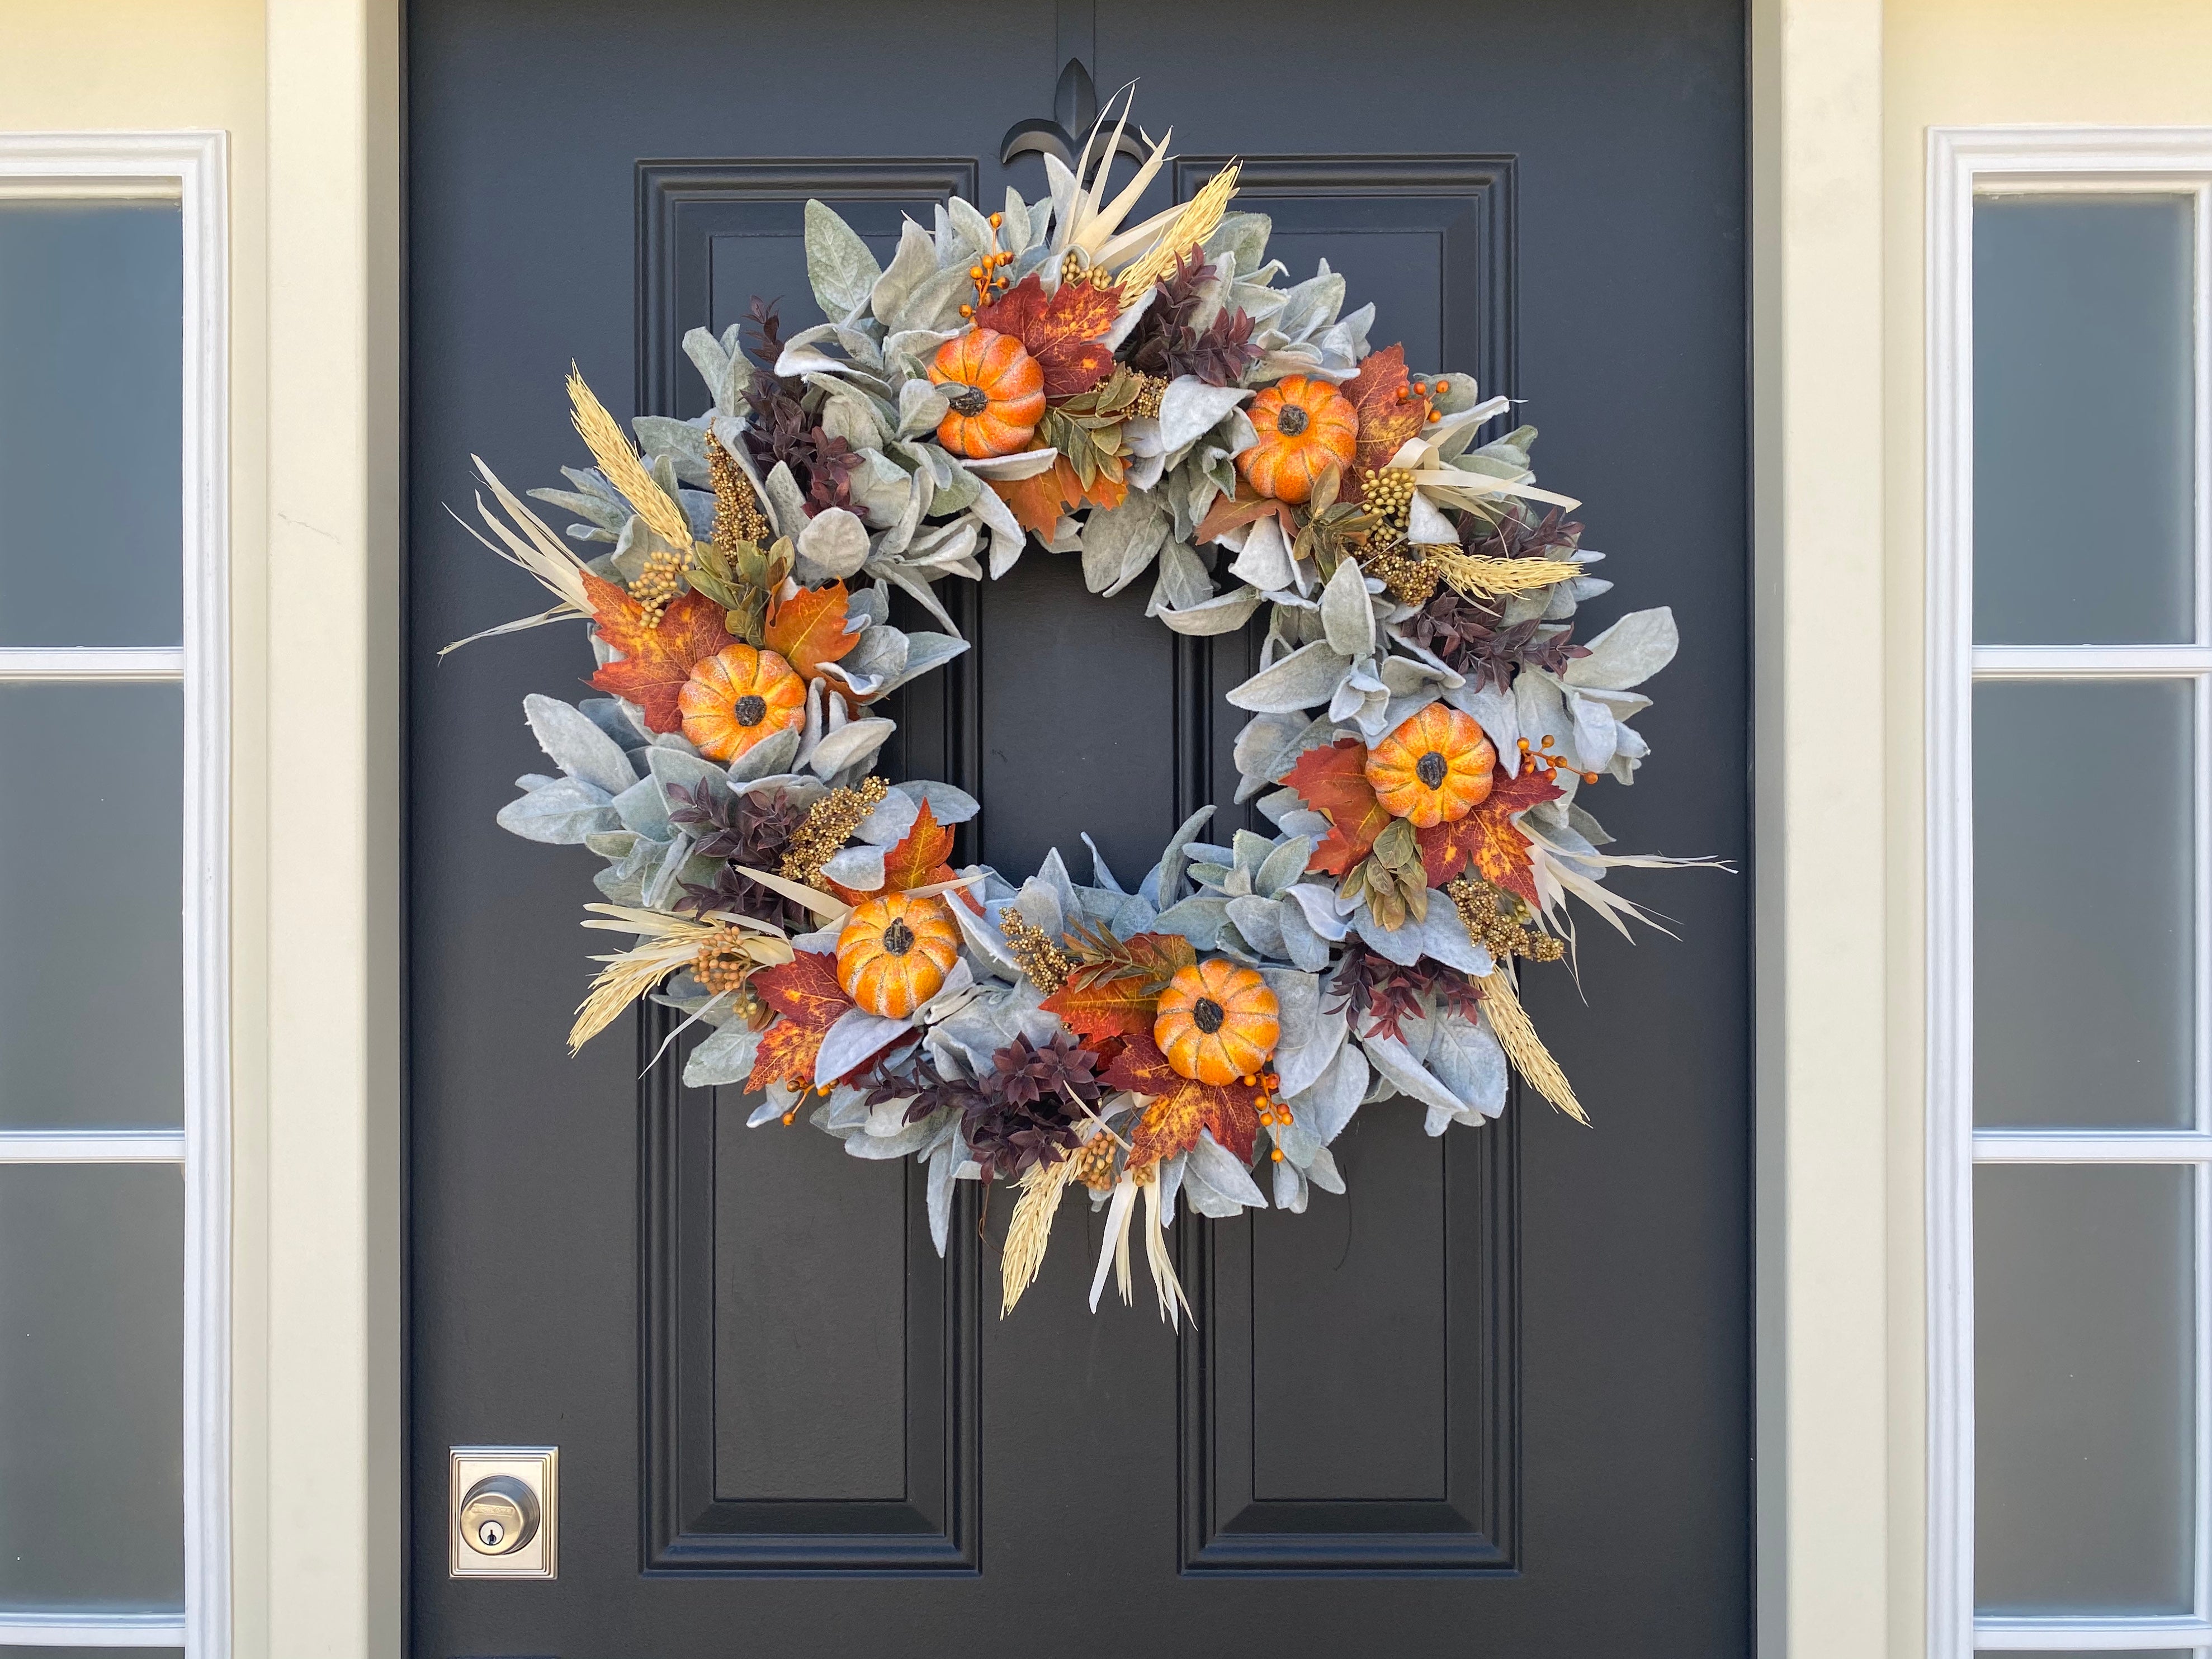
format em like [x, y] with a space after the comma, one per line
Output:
[786, 1055]
[1105, 1007]
[1487, 839]
[656, 657]
[1333, 780]
[805, 990]
[921, 857]
[1061, 332]
[809, 629]
[1038, 502]
[1181, 1108]
[1228, 512]
[1390, 412]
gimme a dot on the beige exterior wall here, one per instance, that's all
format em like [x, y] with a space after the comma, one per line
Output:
[1963, 63]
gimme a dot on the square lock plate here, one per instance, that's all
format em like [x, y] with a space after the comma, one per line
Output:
[502, 1509]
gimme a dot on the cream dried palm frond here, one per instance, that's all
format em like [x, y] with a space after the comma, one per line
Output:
[1516, 1035]
[667, 943]
[529, 543]
[1092, 220]
[611, 447]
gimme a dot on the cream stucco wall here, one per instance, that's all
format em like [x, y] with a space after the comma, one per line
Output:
[1964, 63]
[165, 65]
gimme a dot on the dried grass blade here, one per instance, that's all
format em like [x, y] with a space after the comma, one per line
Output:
[1477, 574]
[1030, 1231]
[1196, 222]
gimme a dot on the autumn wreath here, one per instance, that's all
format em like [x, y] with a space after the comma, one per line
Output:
[1147, 398]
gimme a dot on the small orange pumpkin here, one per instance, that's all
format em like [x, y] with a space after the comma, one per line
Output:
[996, 390]
[1306, 426]
[1217, 1021]
[1435, 768]
[894, 952]
[739, 696]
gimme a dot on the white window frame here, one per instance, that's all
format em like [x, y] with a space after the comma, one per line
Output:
[1963, 163]
[191, 168]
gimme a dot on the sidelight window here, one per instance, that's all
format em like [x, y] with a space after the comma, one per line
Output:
[113, 1061]
[2071, 894]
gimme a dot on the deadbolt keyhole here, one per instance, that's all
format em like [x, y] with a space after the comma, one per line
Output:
[499, 1515]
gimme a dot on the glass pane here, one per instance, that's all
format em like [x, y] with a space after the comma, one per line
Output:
[2084, 1408]
[92, 1508]
[2084, 896]
[2083, 419]
[92, 303]
[91, 904]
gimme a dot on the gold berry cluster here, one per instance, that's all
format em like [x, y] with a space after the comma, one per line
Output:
[1497, 929]
[1398, 566]
[721, 963]
[1094, 1163]
[1151, 388]
[1044, 963]
[1389, 494]
[661, 581]
[830, 823]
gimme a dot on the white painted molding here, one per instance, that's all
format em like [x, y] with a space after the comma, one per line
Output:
[1962, 162]
[191, 168]
[92, 1146]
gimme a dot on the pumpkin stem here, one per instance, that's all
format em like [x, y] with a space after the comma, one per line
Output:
[1291, 420]
[1431, 770]
[1206, 1014]
[898, 938]
[752, 709]
[969, 400]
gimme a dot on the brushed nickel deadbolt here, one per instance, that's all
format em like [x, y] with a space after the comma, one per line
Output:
[503, 1501]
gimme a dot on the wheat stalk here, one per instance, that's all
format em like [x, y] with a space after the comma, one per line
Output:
[1477, 574]
[669, 943]
[1197, 221]
[611, 447]
[1508, 1020]
[1031, 1229]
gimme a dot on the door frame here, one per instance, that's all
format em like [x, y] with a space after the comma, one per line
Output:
[322, 1496]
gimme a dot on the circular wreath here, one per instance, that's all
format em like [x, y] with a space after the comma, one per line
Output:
[1147, 397]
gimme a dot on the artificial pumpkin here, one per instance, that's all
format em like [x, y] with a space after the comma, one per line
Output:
[1435, 768]
[736, 698]
[996, 390]
[1306, 426]
[1217, 1021]
[894, 952]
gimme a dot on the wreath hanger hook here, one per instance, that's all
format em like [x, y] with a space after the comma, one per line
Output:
[1075, 109]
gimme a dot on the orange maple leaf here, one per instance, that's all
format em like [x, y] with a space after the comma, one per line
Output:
[1181, 1108]
[1334, 781]
[1488, 838]
[809, 629]
[787, 1054]
[1228, 512]
[1039, 501]
[919, 857]
[805, 990]
[1094, 1007]
[1061, 332]
[656, 657]
[1390, 412]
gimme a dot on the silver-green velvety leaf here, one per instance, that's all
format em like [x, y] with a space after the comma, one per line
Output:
[560, 814]
[839, 267]
[1308, 676]
[915, 261]
[723, 1059]
[1627, 654]
[577, 745]
[834, 544]
[1347, 618]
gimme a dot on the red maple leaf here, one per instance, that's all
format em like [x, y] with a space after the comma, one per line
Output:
[809, 629]
[1229, 511]
[1039, 501]
[1181, 1108]
[1334, 781]
[1061, 332]
[1487, 837]
[1390, 412]
[656, 657]
[787, 1054]
[805, 990]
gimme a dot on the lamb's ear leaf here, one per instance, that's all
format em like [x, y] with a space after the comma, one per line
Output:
[839, 267]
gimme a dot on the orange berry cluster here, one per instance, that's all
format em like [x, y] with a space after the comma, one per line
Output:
[1542, 760]
[985, 274]
[1272, 1111]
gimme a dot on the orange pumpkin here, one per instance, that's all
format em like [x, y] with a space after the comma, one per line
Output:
[1306, 426]
[1217, 1021]
[996, 390]
[894, 952]
[1435, 768]
[739, 696]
